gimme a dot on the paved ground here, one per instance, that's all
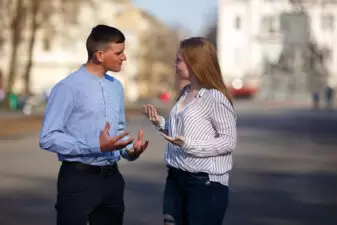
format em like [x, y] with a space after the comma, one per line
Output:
[17, 124]
[285, 173]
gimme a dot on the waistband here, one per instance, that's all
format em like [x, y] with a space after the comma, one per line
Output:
[105, 170]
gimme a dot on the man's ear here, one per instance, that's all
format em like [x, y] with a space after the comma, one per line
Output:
[99, 56]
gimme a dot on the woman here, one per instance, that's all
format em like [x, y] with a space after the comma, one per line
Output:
[201, 135]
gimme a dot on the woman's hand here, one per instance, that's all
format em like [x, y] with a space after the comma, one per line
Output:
[151, 112]
[178, 141]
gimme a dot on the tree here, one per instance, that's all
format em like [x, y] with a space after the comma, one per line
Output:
[39, 15]
[24, 20]
[211, 33]
[17, 26]
[160, 49]
[35, 23]
[212, 27]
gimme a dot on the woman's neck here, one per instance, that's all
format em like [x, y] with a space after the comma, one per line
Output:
[195, 85]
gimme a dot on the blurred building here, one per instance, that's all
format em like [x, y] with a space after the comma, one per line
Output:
[253, 32]
[61, 50]
[151, 51]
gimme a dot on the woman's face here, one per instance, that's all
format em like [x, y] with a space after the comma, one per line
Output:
[181, 67]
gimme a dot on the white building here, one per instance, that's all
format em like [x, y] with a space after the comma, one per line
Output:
[58, 54]
[249, 32]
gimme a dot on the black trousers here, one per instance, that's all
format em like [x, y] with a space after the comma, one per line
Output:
[89, 194]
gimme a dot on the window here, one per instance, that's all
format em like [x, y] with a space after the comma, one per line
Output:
[237, 23]
[328, 22]
[46, 40]
[46, 45]
[269, 24]
[237, 55]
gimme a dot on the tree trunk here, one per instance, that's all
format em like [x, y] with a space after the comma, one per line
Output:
[15, 43]
[31, 43]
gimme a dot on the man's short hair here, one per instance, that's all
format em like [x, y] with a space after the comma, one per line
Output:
[101, 36]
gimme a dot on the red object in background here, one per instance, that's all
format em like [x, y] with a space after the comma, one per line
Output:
[165, 97]
[246, 87]
[245, 91]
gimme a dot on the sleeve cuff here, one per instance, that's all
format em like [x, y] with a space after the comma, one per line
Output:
[95, 147]
[126, 155]
[161, 125]
[128, 147]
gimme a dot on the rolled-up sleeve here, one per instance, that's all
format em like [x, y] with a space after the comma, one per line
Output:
[163, 125]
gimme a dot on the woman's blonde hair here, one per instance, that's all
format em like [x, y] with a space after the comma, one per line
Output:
[201, 57]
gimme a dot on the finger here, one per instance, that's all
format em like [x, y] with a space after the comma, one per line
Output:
[154, 112]
[152, 108]
[163, 134]
[180, 138]
[144, 110]
[168, 138]
[142, 148]
[137, 145]
[106, 128]
[131, 151]
[140, 135]
[151, 116]
[122, 135]
[145, 145]
[124, 143]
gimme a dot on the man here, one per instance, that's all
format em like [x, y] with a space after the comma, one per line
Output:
[84, 124]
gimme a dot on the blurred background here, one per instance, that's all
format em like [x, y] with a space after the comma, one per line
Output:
[278, 58]
[275, 50]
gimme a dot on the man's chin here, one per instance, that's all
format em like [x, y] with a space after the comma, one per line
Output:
[116, 69]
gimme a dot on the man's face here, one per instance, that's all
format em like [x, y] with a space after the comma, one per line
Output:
[113, 57]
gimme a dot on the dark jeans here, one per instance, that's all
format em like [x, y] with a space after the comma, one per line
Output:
[89, 194]
[192, 199]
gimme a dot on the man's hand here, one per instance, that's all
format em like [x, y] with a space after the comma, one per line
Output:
[179, 141]
[138, 146]
[109, 144]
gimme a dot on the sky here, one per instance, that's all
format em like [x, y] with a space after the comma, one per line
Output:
[191, 14]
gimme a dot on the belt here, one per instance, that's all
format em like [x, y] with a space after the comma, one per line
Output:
[105, 170]
[186, 173]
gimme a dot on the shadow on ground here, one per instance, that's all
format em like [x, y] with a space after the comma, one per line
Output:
[257, 198]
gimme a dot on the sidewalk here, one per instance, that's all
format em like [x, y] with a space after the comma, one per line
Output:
[14, 125]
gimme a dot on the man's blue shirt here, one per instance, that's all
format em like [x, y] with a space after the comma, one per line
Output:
[78, 109]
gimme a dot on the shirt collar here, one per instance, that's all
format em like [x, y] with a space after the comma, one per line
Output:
[90, 75]
[201, 92]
